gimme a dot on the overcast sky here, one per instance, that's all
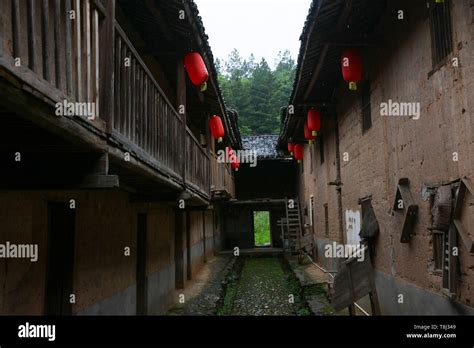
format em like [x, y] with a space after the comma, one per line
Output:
[261, 27]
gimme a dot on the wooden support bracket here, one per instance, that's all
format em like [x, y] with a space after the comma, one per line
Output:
[467, 236]
[404, 202]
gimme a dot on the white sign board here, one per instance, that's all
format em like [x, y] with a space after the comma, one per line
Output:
[352, 226]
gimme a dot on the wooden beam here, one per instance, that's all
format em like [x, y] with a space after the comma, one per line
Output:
[181, 101]
[58, 43]
[100, 182]
[47, 46]
[107, 67]
[306, 44]
[3, 14]
[16, 29]
[179, 235]
[168, 34]
[68, 34]
[340, 23]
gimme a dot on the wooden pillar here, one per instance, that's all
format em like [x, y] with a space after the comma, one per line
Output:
[208, 149]
[189, 264]
[2, 31]
[107, 67]
[179, 233]
[181, 105]
[204, 234]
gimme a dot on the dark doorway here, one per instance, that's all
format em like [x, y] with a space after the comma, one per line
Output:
[60, 264]
[141, 264]
[261, 228]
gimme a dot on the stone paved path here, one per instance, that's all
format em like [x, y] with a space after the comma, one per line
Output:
[262, 289]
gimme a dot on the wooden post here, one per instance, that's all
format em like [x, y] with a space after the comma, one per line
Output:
[69, 79]
[208, 148]
[16, 29]
[107, 67]
[180, 228]
[45, 21]
[181, 104]
[204, 234]
[2, 31]
[58, 44]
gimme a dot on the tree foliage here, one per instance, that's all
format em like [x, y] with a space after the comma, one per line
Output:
[256, 91]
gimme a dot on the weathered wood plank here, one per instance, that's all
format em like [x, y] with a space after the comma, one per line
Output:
[58, 44]
[465, 237]
[87, 51]
[181, 101]
[96, 62]
[78, 49]
[16, 28]
[3, 28]
[110, 109]
[124, 90]
[100, 182]
[68, 40]
[46, 40]
[132, 92]
[115, 117]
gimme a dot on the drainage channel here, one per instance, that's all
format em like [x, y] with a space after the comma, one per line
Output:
[261, 286]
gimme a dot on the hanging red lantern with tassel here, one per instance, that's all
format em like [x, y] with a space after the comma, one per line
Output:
[307, 134]
[314, 121]
[235, 164]
[298, 152]
[197, 70]
[351, 63]
[291, 147]
[217, 128]
[229, 154]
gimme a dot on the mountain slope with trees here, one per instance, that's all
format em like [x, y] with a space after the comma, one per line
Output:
[256, 90]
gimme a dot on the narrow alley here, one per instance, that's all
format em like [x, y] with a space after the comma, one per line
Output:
[324, 168]
[256, 285]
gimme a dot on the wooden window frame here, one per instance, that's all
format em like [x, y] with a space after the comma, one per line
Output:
[440, 19]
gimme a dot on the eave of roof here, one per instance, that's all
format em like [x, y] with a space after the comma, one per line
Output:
[318, 70]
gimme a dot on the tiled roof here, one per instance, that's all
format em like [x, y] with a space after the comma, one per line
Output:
[264, 145]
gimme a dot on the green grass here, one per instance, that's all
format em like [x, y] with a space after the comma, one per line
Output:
[229, 298]
[261, 221]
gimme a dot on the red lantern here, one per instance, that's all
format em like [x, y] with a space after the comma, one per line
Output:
[351, 63]
[235, 164]
[291, 147]
[314, 121]
[299, 152]
[229, 154]
[197, 70]
[307, 134]
[217, 128]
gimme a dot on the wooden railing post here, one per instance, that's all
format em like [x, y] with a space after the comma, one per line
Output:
[2, 31]
[181, 101]
[107, 66]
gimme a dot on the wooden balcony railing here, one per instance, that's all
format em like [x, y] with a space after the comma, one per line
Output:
[143, 115]
[63, 49]
[54, 46]
[222, 181]
[197, 164]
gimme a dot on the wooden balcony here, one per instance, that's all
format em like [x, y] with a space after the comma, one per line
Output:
[222, 181]
[89, 58]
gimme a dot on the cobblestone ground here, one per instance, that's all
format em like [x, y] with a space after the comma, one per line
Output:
[262, 289]
[202, 297]
[255, 286]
